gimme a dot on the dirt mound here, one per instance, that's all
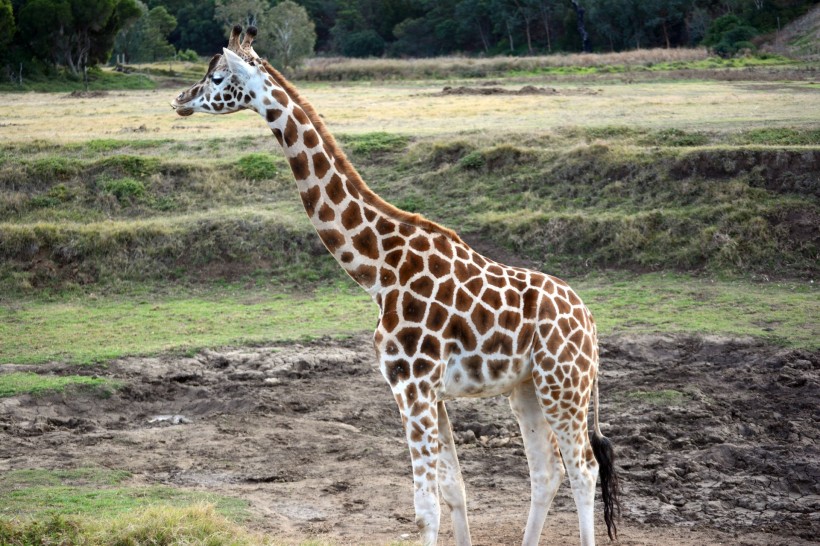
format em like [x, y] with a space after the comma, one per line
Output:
[712, 434]
[86, 95]
[526, 90]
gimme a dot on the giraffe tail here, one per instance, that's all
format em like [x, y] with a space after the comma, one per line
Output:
[605, 455]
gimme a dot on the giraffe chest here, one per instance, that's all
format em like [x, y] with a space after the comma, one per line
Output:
[479, 376]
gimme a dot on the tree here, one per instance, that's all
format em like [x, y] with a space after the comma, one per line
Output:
[729, 34]
[74, 33]
[147, 39]
[292, 33]
[243, 12]
[7, 26]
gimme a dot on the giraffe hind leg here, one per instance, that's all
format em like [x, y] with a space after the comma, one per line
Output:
[565, 409]
[543, 458]
[450, 481]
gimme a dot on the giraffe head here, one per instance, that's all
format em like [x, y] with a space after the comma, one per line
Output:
[231, 80]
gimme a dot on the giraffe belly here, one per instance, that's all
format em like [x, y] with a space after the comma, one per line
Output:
[475, 376]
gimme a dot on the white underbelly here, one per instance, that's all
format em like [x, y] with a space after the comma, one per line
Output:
[466, 377]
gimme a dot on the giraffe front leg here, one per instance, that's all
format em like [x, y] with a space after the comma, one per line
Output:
[417, 405]
[450, 481]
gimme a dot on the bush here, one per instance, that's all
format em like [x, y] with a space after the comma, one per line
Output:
[125, 189]
[366, 43]
[256, 166]
[727, 35]
[188, 55]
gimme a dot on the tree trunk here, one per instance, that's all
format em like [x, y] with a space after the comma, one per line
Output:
[545, 17]
[666, 34]
[510, 36]
[579, 13]
[483, 37]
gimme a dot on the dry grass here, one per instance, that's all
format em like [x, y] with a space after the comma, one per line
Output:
[338, 68]
[414, 109]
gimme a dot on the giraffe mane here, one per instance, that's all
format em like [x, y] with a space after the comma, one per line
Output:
[370, 197]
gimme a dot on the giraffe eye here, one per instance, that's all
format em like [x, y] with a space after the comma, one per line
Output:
[217, 79]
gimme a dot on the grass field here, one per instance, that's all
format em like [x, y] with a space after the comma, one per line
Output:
[683, 206]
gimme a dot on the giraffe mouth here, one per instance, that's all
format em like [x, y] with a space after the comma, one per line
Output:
[182, 110]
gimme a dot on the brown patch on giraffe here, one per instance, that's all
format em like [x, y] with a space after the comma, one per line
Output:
[365, 275]
[291, 133]
[334, 188]
[351, 189]
[548, 311]
[465, 270]
[438, 267]
[512, 298]
[443, 246]
[299, 166]
[394, 258]
[310, 198]
[408, 338]
[390, 318]
[326, 214]
[462, 253]
[413, 264]
[352, 216]
[509, 320]
[386, 277]
[346, 257]
[479, 260]
[567, 354]
[473, 365]
[524, 338]
[423, 286]
[517, 284]
[554, 341]
[530, 308]
[492, 298]
[497, 367]
[431, 347]
[416, 435]
[278, 135]
[385, 226]
[300, 115]
[397, 370]
[310, 138]
[573, 298]
[562, 305]
[579, 315]
[422, 367]
[436, 317]
[389, 243]
[463, 300]
[272, 114]
[495, 269]
[577, 338]
[425, 388]
[458, 329]
[413, 309]
[332, 239]
[418, 408]
[446, 291]
[369, 214]
[475, 286]
[482, 319]
[420, 243]
[406, 229]
[366, 242]
[281, 97]
[320, 164]
[411, 394]
[498, 343]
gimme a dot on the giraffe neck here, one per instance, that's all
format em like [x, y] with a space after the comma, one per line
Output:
[359, 229]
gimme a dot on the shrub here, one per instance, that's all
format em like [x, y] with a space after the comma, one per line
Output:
[125, 189]
[727, 35]
[472, 161]
[188, 55]
[256, 166]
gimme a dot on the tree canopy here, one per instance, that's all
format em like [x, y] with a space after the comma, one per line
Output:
[80, 33]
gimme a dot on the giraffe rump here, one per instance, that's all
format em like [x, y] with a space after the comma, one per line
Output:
[610, 487]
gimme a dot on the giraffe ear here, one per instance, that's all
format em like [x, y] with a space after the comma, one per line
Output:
[236, 64]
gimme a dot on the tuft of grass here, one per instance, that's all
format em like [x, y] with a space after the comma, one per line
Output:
[781, 136]
[15, 383]
[374, 143]
[125, 189]
[674, 137]
[257, 166]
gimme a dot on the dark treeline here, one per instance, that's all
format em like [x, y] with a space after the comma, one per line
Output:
[76, 34]
[425, 28]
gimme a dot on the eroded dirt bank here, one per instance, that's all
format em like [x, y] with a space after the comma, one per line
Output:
[717, 439]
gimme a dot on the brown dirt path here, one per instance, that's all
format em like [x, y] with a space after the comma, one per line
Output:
[717, 439]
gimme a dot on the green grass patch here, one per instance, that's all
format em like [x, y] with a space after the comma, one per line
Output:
[94, 506]
[99, 80]
[82, 330]
[374, 143]
[257, 166]
[15, 383]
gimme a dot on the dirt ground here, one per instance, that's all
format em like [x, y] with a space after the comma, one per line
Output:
[717, 441]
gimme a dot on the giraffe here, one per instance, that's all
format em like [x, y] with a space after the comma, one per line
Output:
[452, 323]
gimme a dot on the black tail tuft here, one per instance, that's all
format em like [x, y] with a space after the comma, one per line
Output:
[605, 455]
